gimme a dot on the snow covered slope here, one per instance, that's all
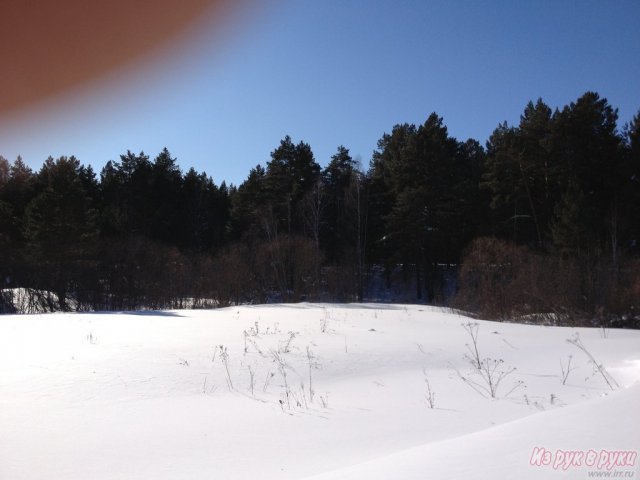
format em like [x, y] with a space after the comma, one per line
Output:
[226, 394]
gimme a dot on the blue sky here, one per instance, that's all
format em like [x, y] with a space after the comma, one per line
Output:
[338, 72]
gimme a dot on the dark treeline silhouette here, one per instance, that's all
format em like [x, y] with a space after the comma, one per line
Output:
[543, 220]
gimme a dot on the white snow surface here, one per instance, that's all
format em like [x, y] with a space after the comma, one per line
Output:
[147, 396]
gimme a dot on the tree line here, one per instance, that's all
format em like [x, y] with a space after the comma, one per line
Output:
[543, 218]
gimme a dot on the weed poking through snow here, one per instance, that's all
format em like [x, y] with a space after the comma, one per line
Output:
[598, 367]
[252, 379]
[430, 395]
[473, 357]
[286, 345]
[491, 372]
[313, 364]
[224, 356]
[282, 366]
[566, 370]
[268, 378]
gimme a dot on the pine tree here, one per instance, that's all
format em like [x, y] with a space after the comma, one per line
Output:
[60, 228]
[587, 147]
[290, 175]
[522, 176]
[165, 202]
[417, 177]
[339, 229]
[629, 191]
[248, 206]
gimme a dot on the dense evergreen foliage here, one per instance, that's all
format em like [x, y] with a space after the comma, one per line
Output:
[553, 199]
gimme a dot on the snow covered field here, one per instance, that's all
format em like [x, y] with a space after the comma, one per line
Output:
[394, 395]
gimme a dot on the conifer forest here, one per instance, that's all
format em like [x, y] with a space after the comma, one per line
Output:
[542, 219]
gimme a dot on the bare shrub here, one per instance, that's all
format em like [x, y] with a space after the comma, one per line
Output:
[229, 278]
[500, 280]
[286, 267]
[488, 271]
[341, 282]
[623, 296]
[6, 302]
